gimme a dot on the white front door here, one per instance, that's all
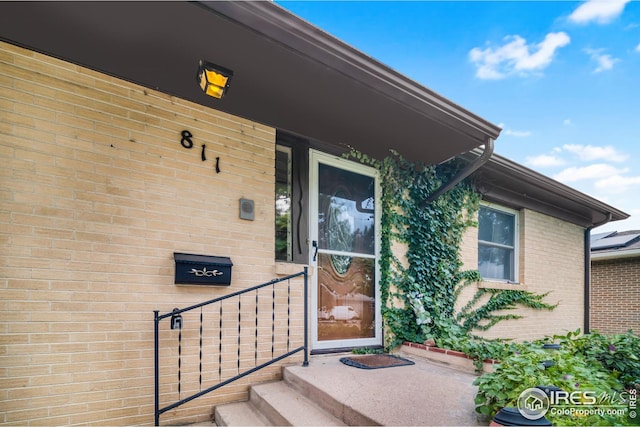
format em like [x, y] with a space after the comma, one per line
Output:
[344, 218]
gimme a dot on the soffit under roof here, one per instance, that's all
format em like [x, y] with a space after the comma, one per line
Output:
[288, 74]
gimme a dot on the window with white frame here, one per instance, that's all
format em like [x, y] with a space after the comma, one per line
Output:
[498, 243]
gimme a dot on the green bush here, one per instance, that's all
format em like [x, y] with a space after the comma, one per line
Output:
[479, 349]
[619, 353]
[604, 365]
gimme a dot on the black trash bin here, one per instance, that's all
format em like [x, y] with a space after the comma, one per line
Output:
[512, 417]
[551, 346]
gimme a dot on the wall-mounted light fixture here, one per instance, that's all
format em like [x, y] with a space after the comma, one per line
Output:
[213, 79]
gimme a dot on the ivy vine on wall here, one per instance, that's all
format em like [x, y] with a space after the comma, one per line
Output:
[419, 293]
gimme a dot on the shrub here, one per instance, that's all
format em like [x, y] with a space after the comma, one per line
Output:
[605, 366]
[618, 353]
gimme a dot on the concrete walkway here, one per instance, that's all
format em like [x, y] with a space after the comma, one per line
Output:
[422, 394]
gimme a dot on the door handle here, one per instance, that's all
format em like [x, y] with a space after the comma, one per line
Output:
[315, 246]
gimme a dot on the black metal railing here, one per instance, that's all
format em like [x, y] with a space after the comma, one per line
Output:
[263, 339]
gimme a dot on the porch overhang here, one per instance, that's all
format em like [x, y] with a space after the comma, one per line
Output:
[318, 87]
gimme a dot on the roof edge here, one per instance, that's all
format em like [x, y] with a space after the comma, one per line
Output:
[558, 188]
[606, 255]
[282, 26]
[562, 199]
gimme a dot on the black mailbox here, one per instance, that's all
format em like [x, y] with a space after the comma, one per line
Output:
[194, 269]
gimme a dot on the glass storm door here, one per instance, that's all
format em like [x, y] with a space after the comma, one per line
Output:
[344, 246]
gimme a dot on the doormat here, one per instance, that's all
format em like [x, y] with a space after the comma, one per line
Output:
[375, 361]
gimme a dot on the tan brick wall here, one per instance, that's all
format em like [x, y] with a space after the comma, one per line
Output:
[615, 295]
[97, 193]
[551, 260]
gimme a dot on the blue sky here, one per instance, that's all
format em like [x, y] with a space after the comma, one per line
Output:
[561, 78]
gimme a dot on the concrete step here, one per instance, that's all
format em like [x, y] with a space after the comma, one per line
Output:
[298, 379]
[239, 414]
[279, 403]
[285, 406]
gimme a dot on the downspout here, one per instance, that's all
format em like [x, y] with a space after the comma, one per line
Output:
[468, 170]
[587, 271]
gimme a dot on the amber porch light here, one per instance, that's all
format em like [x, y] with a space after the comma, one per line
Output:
[213, 79]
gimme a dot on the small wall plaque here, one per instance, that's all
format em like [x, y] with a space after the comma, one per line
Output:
[247, 209]
[192, 269]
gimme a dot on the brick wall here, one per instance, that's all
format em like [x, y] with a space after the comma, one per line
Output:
[97, 193]
[615, 295]
[551, 260]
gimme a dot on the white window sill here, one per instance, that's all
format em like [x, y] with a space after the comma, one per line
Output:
[515, 286]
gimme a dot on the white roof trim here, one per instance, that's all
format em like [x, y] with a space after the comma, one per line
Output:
[601, 256]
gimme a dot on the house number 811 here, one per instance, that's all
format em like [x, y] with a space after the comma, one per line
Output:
[187, 142]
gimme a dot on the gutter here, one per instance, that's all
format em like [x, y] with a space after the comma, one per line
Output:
[615, 255]
[587, 270]
[468, 170]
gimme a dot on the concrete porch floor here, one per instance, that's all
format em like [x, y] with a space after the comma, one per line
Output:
[422, 394]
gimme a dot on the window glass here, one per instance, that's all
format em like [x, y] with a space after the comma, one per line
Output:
[346, 211]
[496, 226]
[495, 263]
[497, 244]
[283, 204]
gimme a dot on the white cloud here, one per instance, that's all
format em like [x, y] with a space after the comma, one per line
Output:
[604, 60]
[599, 171]
[582, 153]
[590, 153]
[617, 183]
[544, 160]
[599, 11]
[511, 132]
[567, 122]
[638, 48]
[517, 133]
[515, 56]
